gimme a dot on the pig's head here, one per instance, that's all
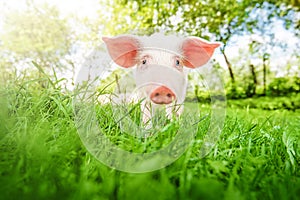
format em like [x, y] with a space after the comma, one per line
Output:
[128, 51]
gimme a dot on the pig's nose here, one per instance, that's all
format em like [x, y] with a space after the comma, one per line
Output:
[162, 95]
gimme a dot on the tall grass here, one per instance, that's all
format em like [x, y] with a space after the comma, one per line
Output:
[42, 157]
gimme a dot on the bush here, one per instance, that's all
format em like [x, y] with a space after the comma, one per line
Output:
[283, 86]
[268, 103]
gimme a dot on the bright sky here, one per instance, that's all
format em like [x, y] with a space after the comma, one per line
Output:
[88, 8]
[82, 8]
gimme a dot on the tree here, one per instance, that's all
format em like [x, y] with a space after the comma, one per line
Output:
[288, 10]
[251, 90]
[38, 33]
[262, 44]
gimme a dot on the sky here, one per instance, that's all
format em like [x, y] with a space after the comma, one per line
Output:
[82, 8]
[88, 8]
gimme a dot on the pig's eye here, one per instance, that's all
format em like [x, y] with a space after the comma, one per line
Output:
[178, 63]
[144, 61]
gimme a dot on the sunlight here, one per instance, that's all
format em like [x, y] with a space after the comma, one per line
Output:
[87, 8]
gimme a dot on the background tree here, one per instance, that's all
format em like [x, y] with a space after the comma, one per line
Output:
[38, 33]
[289, 11]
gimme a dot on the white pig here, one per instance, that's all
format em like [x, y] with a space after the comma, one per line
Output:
[160, 62]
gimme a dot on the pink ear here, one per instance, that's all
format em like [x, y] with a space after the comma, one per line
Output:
[197, 52]
[123, 50]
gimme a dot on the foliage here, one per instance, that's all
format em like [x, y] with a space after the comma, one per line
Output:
[291, 102]
[38, 33]
[288, 9]
[216, 20]
[282, 86]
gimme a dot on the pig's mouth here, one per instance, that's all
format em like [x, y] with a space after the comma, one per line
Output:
[162, 95]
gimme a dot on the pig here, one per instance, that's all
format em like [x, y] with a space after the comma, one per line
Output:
[162, 62]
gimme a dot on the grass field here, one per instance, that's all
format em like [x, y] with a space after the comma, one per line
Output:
[42, 156]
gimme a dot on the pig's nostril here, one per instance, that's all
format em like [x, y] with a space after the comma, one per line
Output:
[156, 94]
[169, 95]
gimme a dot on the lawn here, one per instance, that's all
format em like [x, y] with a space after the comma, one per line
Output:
[42, 156]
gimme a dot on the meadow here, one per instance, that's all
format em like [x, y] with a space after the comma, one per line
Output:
[42, 156]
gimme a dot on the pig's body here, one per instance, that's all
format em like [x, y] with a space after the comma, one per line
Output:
[161, 63]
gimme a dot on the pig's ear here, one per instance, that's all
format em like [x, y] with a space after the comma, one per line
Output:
[122, 49]
[197, 52]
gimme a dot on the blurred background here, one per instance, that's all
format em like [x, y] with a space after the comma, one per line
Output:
[259, 55]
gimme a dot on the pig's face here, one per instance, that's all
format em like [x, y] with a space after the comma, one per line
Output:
[159, 65]
[164, 62]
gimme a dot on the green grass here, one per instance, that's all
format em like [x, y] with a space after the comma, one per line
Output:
[42, 156]
[159, 136]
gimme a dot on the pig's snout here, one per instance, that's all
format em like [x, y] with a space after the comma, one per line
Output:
[162, 95]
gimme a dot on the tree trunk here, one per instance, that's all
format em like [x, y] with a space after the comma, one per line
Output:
[254, 79]
[228, 66]
[265, 57]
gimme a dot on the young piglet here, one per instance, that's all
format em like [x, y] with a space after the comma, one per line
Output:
[160, 66]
